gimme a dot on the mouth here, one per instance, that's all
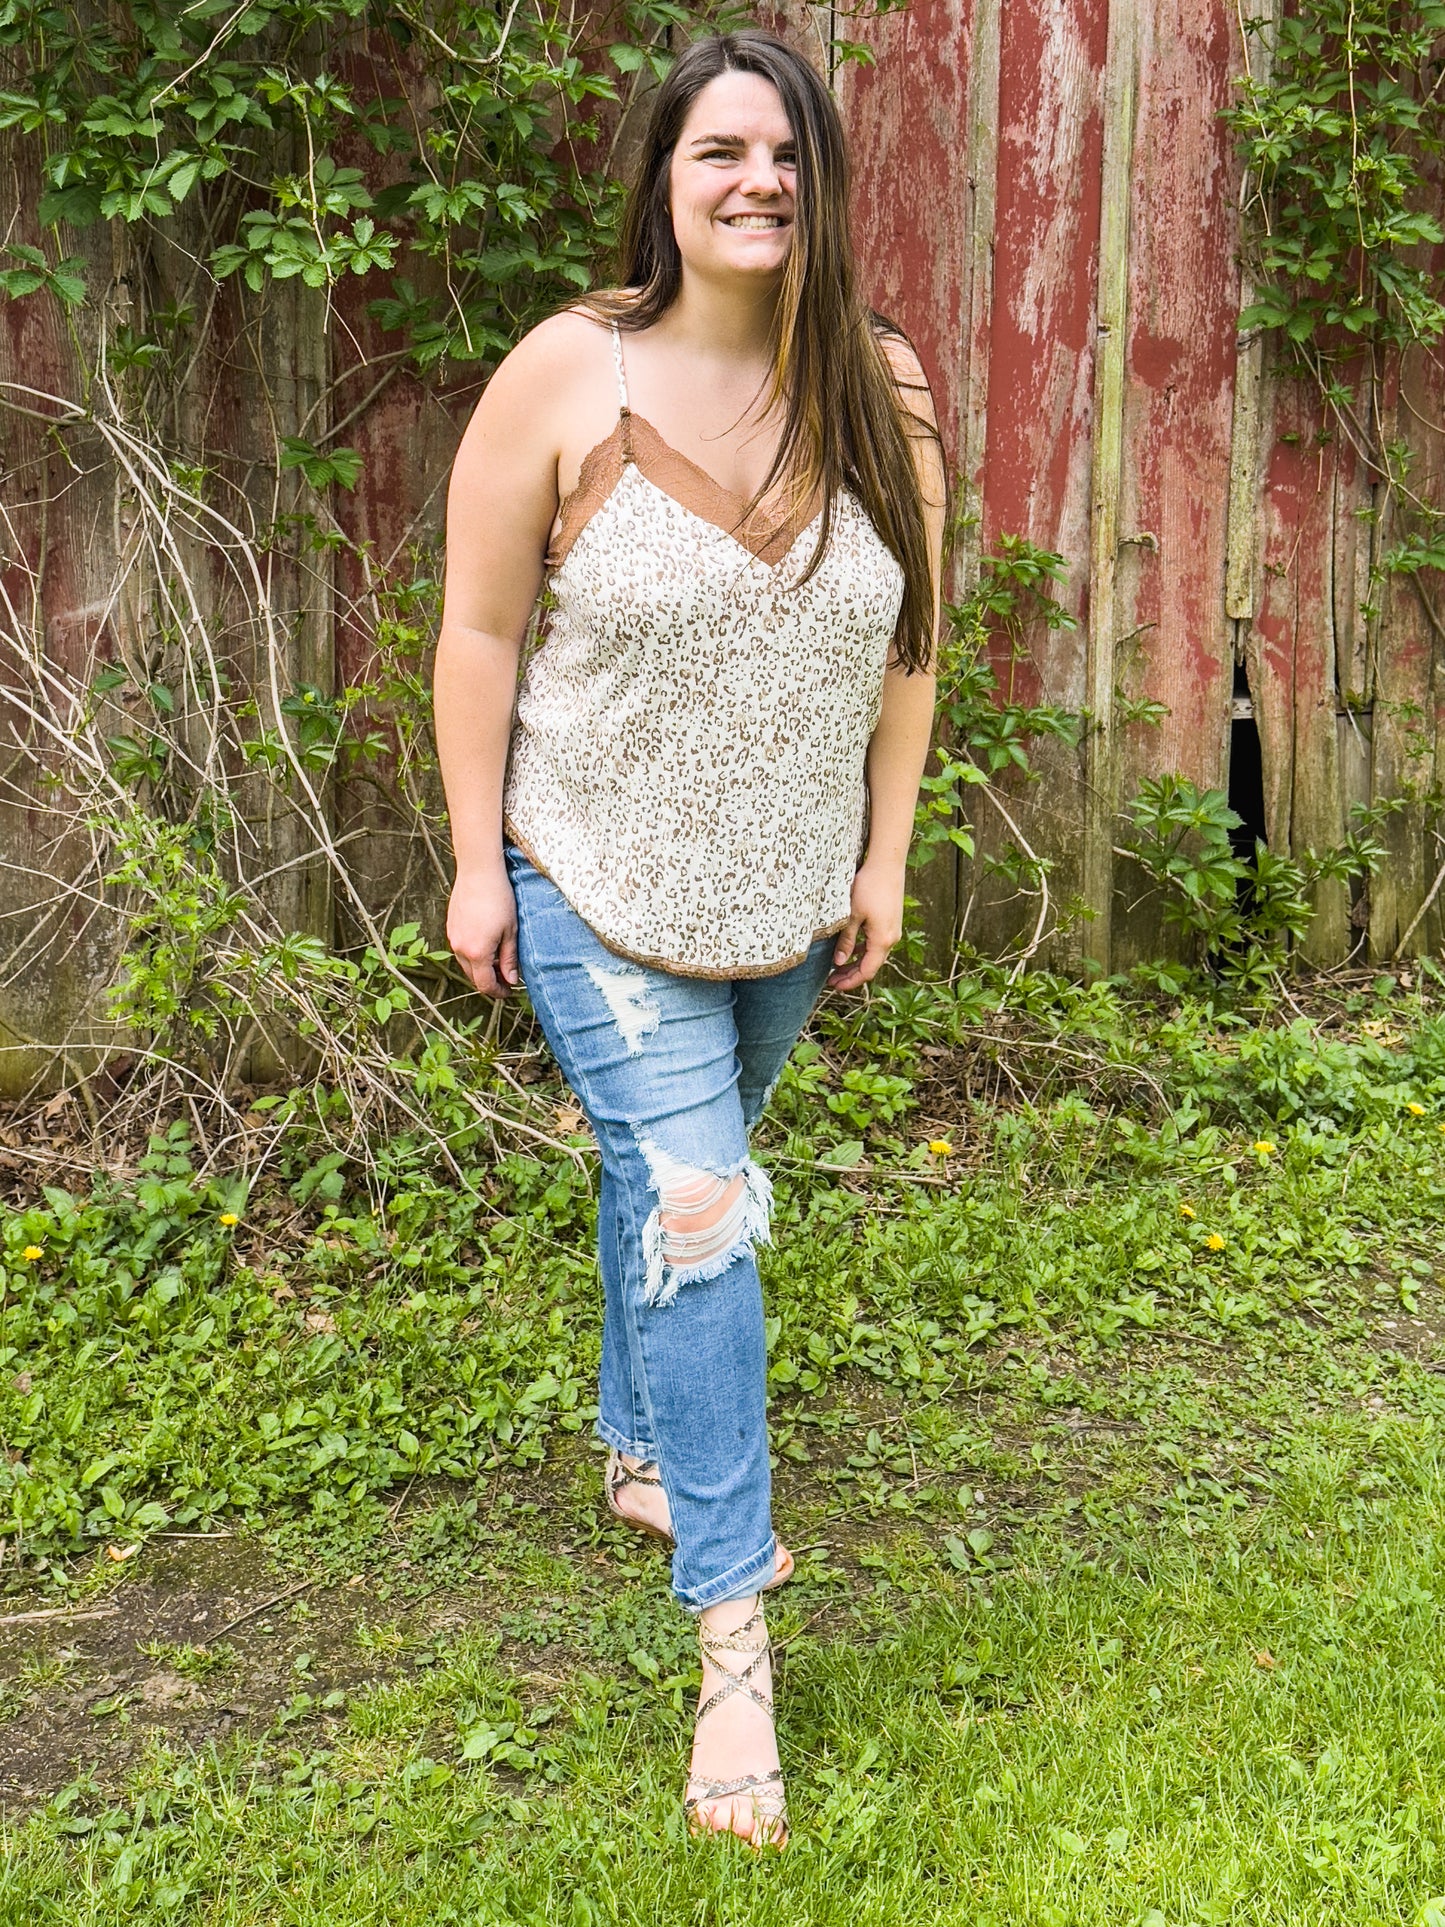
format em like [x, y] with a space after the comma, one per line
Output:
[754, 223]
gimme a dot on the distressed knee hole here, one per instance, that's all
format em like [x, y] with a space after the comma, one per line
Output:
[702, 1217]
[703, 1220]
[629, 1000]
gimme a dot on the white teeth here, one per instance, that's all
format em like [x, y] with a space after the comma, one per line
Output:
[754, 220]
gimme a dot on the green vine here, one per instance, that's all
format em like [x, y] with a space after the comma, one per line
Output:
[293, 133]
[452, 162]
[1241, 915]
[1342, 133]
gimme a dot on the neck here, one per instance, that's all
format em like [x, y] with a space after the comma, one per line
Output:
[729, 320]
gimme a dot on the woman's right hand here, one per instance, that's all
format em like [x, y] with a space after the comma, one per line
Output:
[482, 929]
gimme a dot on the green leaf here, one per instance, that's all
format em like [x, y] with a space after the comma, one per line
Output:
[342, 465]
[182, 179]
[844, 1157]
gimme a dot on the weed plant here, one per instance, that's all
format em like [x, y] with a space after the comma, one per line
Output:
[953, 1164]
[1116, 1489]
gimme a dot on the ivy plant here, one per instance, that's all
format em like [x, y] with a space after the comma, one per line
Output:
[456, 154]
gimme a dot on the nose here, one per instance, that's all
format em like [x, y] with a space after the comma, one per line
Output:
[760, 174]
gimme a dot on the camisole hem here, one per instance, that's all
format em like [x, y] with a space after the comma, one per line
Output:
[669, 963]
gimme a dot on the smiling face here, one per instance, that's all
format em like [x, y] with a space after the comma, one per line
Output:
[734, 180]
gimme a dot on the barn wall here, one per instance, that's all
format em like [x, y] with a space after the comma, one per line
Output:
[1047, 201]
[1096, 399]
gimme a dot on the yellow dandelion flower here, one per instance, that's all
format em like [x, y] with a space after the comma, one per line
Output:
[1415, 1110]
[1214, 1242]
[1188, 1211]
[32, 1252]
[1264, 1147]
[229, 1218]
[940, 1147]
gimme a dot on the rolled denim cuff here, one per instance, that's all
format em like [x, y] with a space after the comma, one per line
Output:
[619, 1441]
[738, 1583]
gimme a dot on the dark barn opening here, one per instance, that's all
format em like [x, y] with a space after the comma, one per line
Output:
[1246, 771]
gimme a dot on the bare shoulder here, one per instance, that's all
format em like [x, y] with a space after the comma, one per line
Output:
[564, 349]
[551, 398]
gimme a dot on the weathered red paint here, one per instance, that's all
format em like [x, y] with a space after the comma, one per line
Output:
[905, 116]
[980, 235]
[1173, 643]
[1041, 328]
[1292, 646]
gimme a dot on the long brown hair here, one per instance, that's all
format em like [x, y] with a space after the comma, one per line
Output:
[844, 417]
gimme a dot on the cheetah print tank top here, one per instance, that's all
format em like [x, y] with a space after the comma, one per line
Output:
[687, 753]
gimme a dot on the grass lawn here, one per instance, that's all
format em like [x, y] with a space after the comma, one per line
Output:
[1111, 1439]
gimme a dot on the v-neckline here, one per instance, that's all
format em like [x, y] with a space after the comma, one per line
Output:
[635, 442]
[652, 462]
[670, 448]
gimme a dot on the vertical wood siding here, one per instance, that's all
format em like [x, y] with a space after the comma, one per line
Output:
[1047, 201]
[1100, 402]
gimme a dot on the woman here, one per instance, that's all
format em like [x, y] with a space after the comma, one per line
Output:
[725, 473]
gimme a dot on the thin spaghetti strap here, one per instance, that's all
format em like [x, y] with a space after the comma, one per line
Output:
[622, 402]
[624, 412]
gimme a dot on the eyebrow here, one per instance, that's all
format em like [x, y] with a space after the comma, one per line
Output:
[732, 140]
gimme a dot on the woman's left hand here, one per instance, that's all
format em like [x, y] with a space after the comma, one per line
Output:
[877, 917]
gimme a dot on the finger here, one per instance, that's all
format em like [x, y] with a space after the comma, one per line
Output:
[873, 959]
[507, 965]
[866, 967]
[847, 939]
[481, 973]
[847, 977]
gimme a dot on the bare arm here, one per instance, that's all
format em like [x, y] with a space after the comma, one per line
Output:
[898, 748]
[500, 509]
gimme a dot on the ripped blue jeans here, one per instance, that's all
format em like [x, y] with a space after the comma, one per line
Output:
[672, 1073]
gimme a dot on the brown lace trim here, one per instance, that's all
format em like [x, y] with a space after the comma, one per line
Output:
[600, 473]
[634, 439]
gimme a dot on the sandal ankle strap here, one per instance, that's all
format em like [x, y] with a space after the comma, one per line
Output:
[735, 1641]
[716, 1645]
[619, 1474]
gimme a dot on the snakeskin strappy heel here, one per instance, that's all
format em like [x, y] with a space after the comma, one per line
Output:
[765, 1790]
[618, 1475]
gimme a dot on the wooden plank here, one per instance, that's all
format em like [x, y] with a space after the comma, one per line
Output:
[406, 436]
[1409, 692]
[1172, 643]
[60, 533]
[915, 225]
[1355, 613]
[1037, 455]
[980, 228]
[1291, 648]
[1289, 500]
[1106, 478]
[1256, 59]
[1357, 493]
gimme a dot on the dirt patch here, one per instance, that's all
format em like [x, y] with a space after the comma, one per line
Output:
[1418, 1336]
[232, 1644]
